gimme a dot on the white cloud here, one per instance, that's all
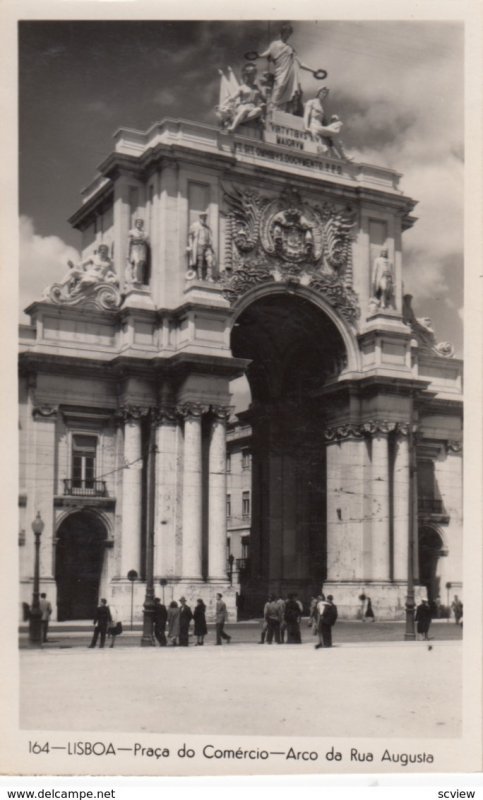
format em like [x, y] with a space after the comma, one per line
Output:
[43, 260]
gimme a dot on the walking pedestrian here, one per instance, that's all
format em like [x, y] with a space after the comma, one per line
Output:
[199, 615]
[45, 611]
[159, 622]
[423, 619]
[327, 611]
[173, 623]
[221, 617]
[185, 617]
[102, 620]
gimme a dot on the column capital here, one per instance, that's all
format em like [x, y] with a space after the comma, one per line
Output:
[454, 446]
[131, 412]
[45, 411]
[221, 413]
[192, 410]
[370, 427]
[164, 414]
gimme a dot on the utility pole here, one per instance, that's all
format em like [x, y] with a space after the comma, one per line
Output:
[410, 604]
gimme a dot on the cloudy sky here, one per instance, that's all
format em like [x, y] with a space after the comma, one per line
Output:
[398, 87]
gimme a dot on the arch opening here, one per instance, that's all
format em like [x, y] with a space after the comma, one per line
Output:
[294, 351]
[430, 550]
[78, 564]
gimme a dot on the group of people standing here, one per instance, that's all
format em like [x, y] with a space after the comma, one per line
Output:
[172, 625]
[281, 620]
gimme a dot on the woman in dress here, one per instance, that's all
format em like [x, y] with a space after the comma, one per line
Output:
[292, 620]
[199, 616]
[173, 623]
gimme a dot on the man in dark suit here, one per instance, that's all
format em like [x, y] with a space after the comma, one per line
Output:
[327, 619]
[102, 619]
[160, 618]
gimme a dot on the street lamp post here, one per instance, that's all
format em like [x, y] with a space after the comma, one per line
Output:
[410, 633]
[147, 639]
[35, 621]
[132, 576]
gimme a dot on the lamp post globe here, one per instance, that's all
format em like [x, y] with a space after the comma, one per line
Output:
[35, 626]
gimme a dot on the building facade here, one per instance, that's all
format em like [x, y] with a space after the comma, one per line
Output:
[209, 254]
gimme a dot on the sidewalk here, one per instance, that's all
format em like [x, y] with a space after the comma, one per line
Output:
[77, 634]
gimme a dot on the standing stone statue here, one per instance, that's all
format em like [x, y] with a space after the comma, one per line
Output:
[138, 253]
[324, 132]
[201, 255]
[287, 91]
[383, 280]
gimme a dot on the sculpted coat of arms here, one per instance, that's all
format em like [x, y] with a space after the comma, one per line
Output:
[286, 231]
[287, 239]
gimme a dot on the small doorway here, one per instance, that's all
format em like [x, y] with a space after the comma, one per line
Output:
[430, 547]
[79, 558]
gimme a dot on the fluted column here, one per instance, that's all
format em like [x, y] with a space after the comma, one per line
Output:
[380, 506]
[401, 506]
[131, 491]
[192, 492]
[217, 495]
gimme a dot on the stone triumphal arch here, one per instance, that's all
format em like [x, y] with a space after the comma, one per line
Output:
[255, 248]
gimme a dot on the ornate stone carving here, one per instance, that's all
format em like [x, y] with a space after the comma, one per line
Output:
[424, 334]
[221, 413]
[287, 239]
[93, 282]
[287, 230]
[341, 297]
[165, 414]
[454, 446]
[187, 410]
[127, 412]
[243, 280]
[367, 428]
[291, 230]
[44, 410]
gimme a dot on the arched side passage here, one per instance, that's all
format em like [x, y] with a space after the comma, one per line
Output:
[346, 331]
[430, 550]
[79, 559]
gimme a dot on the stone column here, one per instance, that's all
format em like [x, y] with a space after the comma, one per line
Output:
[217, 496]
[192, 492]
[401, 506]
[346, 466]
[165, 492]
[333, 451]
[380, 506]
[131, 492]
